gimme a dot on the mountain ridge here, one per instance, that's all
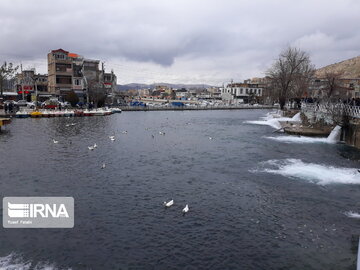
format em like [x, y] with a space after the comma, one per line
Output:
[349, 69]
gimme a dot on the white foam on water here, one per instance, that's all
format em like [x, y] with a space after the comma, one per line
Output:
[315, 173]
[271, 122]
[16, 262]
[11, 263]
[352, 214]
[274, 119]
[298, 139]
[334, 137]
[296, 117]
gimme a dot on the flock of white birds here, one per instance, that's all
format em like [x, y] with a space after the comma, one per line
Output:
[103, 166]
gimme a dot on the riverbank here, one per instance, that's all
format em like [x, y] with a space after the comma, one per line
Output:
[170, 108]
[194, 108]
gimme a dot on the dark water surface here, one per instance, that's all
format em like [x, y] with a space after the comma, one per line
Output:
[241, 216]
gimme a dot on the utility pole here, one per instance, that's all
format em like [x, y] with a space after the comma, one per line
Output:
[85, 84]
[22, 80]
[36, 92]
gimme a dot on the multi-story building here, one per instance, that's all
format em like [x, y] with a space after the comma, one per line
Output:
[110, 83]
[344, 88]
[242, 92]
[28, 84]
[60, 72]
[72, 72]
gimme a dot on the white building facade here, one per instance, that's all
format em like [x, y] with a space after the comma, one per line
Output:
[242, 92]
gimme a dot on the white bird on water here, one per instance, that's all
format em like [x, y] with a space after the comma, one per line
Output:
[162, 133]
[103, 165]
[186, 209]
[210, 138]
[95, 145]
[169, 203]
[124, 132]
[112, 138]
[55, 141]
[91, 147]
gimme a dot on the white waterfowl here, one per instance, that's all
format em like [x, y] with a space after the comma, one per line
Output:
[161, 133]
[186, 209]
[210, 138]
[95, 145]
[103, 165]
[124, 132]
[55, 141]
[169, 203]
[91, 147]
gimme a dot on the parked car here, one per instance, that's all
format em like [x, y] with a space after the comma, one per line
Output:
[65, 104]
[10, 101]
[7, 102]
[50, 104]
[22, 103]
[31, 105]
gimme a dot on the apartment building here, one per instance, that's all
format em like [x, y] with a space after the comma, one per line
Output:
[72, 72]
[27, 84]
[242, 92]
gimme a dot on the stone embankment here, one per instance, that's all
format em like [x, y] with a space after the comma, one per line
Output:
[351, 133]
[318, 124]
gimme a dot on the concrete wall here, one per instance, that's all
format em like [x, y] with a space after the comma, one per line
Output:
[352, 133]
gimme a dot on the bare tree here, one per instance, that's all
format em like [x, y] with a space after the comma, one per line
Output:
[302, 82]
[292, 67]
[333, 88]
[97, 93]
[7, 71]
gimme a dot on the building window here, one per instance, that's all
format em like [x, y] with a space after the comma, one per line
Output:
[77, 82]
[241, 91]
[59, 56]
[63, 80]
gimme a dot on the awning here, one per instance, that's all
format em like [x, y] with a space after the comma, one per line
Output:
[10, 94]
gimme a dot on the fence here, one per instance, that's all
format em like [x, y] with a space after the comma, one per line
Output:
[332, 108]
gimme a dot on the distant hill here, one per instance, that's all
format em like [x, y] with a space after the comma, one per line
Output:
[350, 69]
[125, 87]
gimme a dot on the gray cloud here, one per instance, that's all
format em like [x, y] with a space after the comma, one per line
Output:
[231, 38]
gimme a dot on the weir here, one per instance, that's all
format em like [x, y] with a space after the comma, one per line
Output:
[351, 134]
[334, 135]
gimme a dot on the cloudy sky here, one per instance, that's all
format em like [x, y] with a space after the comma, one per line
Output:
[179, 41]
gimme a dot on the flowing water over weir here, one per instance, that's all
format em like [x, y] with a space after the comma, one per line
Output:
[334, 137]
[255, 203]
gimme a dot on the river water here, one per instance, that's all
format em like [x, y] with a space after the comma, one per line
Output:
[256, 201]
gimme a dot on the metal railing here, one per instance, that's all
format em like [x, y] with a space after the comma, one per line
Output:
[332, 108]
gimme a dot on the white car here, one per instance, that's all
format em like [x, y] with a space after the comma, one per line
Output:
[31, 105]
[22, 103]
